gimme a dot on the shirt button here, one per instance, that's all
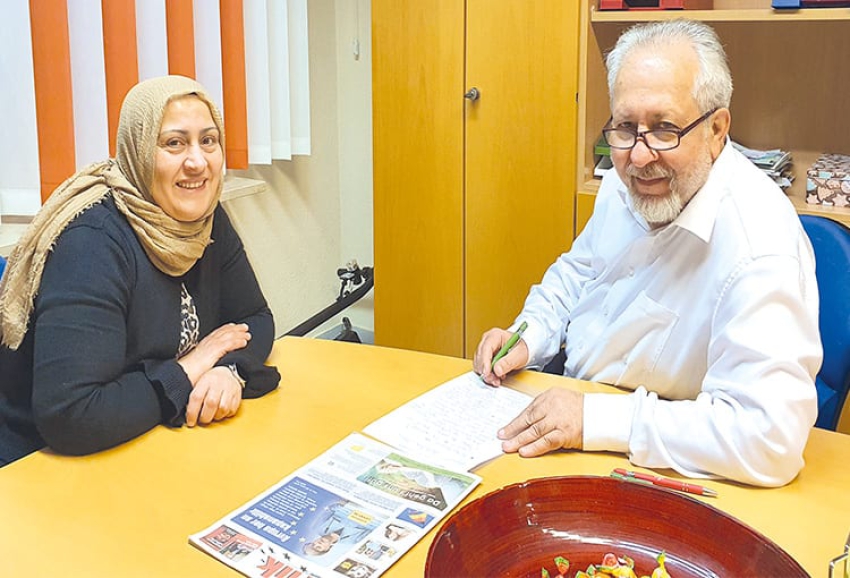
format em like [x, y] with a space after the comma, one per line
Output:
[631, 271]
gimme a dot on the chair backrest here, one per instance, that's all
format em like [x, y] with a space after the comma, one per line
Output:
[831, 243]
[2, 264]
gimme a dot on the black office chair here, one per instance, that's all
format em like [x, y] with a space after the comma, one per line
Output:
[556, 364]
[831, 242]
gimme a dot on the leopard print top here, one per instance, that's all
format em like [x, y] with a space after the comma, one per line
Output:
[189, 325]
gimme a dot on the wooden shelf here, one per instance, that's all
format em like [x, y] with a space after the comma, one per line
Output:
[9, 235]
[235, 187]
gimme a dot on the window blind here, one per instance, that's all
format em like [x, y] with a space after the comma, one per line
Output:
[67, 65]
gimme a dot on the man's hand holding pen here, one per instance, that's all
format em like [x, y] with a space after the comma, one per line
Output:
[500, 352]
[552, 421]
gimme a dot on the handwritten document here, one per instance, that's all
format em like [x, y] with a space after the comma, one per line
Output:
[454, 424]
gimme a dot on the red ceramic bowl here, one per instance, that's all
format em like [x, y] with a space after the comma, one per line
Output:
[521, 528]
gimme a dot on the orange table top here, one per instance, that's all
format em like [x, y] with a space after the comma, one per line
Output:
[129, 511]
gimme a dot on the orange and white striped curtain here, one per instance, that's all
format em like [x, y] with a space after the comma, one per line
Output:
[66, 65]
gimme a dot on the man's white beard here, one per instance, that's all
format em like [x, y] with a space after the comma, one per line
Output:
[657, 211]
[661, 210]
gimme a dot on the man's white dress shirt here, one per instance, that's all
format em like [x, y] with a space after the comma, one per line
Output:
[712, 320]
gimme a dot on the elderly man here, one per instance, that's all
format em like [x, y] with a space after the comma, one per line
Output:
[692, 285]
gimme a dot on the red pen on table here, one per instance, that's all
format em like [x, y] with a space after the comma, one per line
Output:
[667, 483]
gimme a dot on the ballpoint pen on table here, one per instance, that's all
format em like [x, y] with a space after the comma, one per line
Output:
[672, 484]
[509, 344]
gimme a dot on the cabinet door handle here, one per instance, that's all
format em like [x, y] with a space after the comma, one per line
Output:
[472, 94]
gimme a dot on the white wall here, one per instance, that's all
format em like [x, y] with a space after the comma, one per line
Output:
[317, 212]
[354, 97]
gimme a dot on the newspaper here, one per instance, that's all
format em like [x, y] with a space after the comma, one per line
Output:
[351, 512]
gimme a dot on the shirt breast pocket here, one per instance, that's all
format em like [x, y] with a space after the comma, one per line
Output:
[633, 341]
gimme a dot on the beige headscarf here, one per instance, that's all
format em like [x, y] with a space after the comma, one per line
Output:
[172, 246]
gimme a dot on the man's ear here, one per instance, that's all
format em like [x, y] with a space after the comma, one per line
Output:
[720, 123]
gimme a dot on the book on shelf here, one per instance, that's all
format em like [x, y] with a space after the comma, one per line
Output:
[655, 4]
[795, 4]
[358, 507]
[602, 148]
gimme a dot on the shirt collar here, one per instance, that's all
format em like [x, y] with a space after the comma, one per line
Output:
[700, 213]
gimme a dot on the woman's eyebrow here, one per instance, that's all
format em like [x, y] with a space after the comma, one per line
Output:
[186, 132]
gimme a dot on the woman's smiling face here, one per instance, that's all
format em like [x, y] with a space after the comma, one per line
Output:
[188, 160]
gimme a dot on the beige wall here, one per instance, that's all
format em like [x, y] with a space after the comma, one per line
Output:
[317, 212]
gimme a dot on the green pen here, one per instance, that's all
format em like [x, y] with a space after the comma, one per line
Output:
[509, 344]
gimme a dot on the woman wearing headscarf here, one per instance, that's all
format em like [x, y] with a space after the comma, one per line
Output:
[130, 302]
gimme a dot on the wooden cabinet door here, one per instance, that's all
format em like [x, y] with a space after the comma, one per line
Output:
[520, 152]
[472, 199]
[418, 88]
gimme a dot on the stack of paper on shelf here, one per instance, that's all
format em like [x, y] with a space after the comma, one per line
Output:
[775, 163]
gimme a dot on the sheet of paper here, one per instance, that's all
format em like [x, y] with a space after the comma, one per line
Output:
[454, 424]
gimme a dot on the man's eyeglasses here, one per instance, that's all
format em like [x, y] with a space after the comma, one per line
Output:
[658, 139]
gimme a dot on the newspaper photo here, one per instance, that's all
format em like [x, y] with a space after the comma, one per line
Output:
[351, 512]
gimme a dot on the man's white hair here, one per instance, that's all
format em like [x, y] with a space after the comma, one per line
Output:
[713, 85]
